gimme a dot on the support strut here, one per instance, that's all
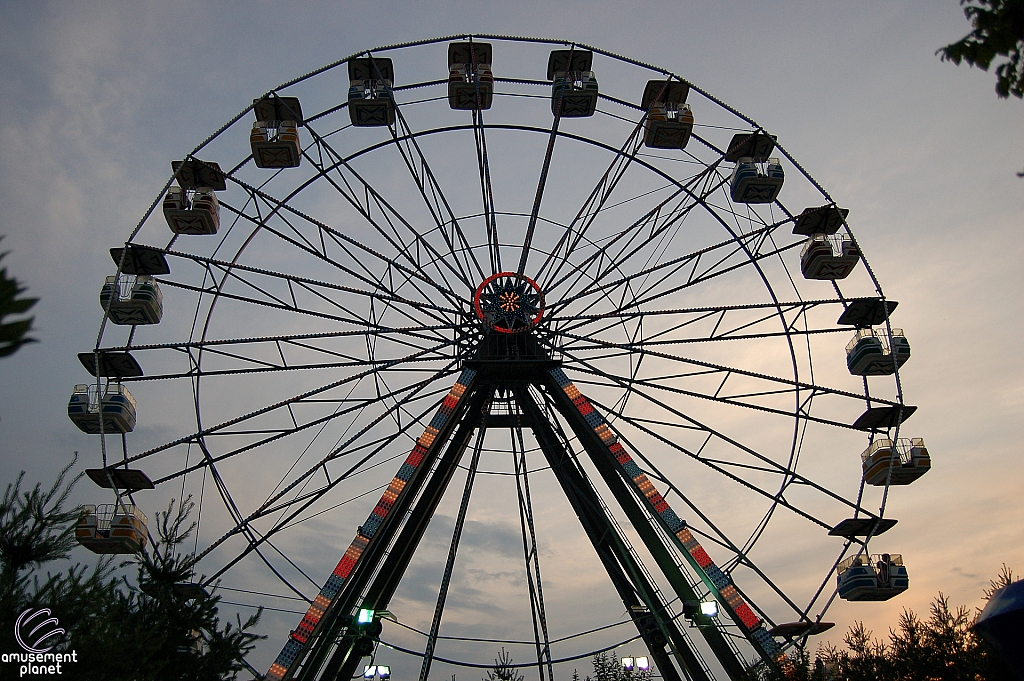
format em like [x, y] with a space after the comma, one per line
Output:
[530, 555]
[346, 659]
[460, 522]
[643, 603]
[603, 444]
[370, 571]
[641, 522]
[317, 632]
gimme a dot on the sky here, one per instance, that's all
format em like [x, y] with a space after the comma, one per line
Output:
[97, 98]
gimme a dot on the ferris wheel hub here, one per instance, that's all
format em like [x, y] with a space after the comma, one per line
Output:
[508, 302]
[391, 278]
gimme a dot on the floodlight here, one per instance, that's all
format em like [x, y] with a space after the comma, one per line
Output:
[364, 616]
[642, 664]
[709, 608]
[369, 671]
[383, 671]
[627, 664]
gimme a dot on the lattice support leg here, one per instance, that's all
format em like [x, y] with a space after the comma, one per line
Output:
[591, 427]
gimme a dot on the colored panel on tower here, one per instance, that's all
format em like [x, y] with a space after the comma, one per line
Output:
[714, 578]
[298, 638]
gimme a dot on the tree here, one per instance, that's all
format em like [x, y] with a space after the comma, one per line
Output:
[173, 634]
[13, 334]
[503, 669]
[608, 667]
[941, 647]
[147, 631]
[36, 530]
[1004, 578]
[998, 32]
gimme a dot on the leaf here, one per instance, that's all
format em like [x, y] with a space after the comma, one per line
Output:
[13, 334]
[998, 32]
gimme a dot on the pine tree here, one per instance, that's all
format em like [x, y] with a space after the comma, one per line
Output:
[943, 646]
[172, 634]
[147, 631]
[37, 530]
[503, 669]
[608, 667]
[13, 334]
[1003, 579]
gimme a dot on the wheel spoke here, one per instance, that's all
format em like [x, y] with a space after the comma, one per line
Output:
[638, 387]
[315, 331]
[282, 209]
[389, 214]
[487, 189]
[591, 209]
[199, 435]
[308, 499]
[436, 202]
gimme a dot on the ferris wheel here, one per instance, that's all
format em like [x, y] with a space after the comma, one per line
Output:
[424, 262]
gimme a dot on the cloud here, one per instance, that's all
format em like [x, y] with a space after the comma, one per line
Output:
[96, 101]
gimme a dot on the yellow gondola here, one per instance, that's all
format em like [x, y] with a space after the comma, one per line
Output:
[192, 212]
[908, 459]
[111, 528]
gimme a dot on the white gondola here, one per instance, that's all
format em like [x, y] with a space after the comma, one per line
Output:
[275, 144]
[111, 528]
[275, 134]
[470, 86]
[133, 300]
[828, 257]
[470, 80]
[577, 91]
[194, 644]
[574, 87]
[908, 460]
[669, 120]
[750, 185]
[869, 352]
[190, 211]
[370, 103]
[874, 578]
[370, 100]
[668, 126]
[117, 405]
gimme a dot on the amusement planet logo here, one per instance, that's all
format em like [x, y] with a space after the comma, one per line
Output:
[37, 633]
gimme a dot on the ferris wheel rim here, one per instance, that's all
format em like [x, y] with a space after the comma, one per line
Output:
[736, 238]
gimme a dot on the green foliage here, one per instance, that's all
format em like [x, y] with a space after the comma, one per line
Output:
[1004, 578]
[149, 631]
[171, 635]
[36, 530]
[796, 667]
[608, 667]
[942, 647]
[13, 334]
[503, 669]
[998, 32]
